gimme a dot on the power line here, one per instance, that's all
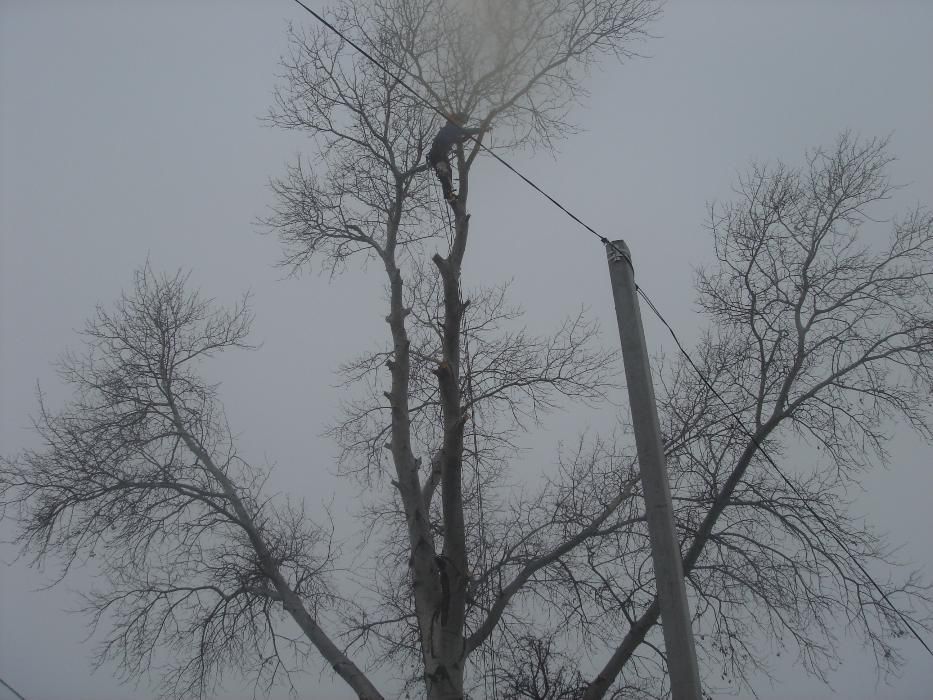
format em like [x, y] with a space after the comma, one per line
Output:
[11, 689]
[651, 305]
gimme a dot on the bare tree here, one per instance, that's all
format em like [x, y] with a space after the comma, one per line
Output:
[819, 341]
[160, 480]
[471, 581]
[141, 472]
[456, 390]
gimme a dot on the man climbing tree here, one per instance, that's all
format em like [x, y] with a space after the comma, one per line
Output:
[453, 133]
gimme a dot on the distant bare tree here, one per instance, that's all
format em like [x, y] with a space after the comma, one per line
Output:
[537, 670]
[472, 582]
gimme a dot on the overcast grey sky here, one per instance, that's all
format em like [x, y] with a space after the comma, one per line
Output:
[130, 130]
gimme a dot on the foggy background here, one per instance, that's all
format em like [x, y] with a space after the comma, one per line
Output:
[130, 130]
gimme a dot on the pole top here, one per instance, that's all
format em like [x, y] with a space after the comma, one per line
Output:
[617, 251]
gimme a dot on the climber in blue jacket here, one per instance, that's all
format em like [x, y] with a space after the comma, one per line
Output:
[453, 133]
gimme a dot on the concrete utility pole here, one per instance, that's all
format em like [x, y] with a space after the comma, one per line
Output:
[665, 548]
